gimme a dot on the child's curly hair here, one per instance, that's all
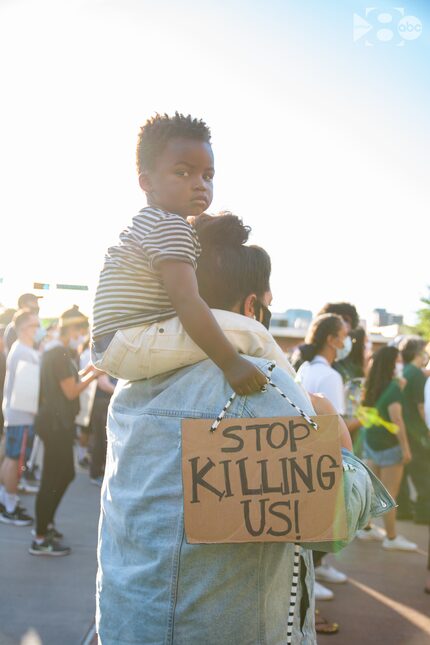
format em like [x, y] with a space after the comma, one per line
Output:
[154, 135]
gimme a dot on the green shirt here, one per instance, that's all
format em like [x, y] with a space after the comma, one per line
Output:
[413, 395]
[377, 437]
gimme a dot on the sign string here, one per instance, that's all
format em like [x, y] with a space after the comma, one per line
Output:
[272, 366]
[297, 548]
[293, 593]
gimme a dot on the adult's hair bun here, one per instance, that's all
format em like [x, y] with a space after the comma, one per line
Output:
[224, 229]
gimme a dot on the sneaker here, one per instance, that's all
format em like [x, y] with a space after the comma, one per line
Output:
[97, 481]
[84, 462]
[322, 593]
[51, 533]
[399, 543]
[17, 518]
[324, 573]
[28, 487]
[374, 534]
[49, 547]
[54, 534]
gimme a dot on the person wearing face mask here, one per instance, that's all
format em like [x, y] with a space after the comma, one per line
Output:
[386, 444]
[55, 424]
[327, 341]
[27, 302]
[19, 422]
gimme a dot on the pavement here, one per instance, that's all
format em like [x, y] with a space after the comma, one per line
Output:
[383, 601]
[53, 598]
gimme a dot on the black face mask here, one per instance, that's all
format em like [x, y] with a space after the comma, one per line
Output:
[262, 313]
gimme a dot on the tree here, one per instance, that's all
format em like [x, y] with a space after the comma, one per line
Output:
[423, 326]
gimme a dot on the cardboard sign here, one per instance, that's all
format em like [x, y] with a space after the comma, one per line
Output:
[263, 480]
[26, 386]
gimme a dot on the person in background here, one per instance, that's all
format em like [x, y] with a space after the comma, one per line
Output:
[386, 445]
[427, 391]
[27, 302]
[415, 359]
[84, 431]
[2, 375]
[55, 423]
[353, 370]
[19, 424]
[105, 389]
[326, 341]
[345, 310]
[427, 419]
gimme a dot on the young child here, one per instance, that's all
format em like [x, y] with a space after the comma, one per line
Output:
[150, 275]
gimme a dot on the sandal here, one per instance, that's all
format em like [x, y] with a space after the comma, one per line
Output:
[322, 626]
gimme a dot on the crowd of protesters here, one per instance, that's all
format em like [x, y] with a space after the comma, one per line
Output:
[40, 426]
[182, 286]
[384, 398]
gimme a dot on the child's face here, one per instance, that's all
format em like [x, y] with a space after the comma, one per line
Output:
[182, 180]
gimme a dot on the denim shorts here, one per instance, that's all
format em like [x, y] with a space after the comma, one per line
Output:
[388, 457]
[15, 438]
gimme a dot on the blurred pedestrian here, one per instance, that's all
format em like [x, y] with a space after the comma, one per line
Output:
[26, 302]
[19, 423]
[386, 445]
[415, 359]
[55, 423]
[2, 376]
[353, 370]
[326, 341]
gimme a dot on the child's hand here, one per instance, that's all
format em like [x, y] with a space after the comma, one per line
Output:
[244, 377]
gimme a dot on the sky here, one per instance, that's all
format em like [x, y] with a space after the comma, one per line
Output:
[321, 141]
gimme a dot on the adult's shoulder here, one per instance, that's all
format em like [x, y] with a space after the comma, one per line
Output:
[201, 390]
[393, 390]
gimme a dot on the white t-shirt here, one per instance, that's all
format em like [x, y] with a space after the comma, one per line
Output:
[19, 352]
[318, 377]
[427, 402]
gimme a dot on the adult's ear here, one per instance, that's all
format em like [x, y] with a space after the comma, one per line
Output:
[249, 305]
[145, 182]
[331, 341]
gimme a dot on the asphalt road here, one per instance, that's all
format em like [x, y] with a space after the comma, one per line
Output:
[383, 601]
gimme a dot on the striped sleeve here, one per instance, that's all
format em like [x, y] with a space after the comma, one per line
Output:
[171, 239]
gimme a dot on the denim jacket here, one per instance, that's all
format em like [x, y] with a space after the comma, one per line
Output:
[153, 588]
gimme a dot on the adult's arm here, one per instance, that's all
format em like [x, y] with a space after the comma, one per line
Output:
[71, 389]
[427, 403]
[323, 406]
[396, 416]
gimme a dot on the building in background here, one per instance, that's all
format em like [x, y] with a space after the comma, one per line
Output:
[382, 318]
[295, 318]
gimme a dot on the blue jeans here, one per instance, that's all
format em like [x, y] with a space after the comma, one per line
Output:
[381, 458]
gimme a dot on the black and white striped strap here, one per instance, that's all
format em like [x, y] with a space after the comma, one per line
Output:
[303, 414]
[293, 593]
[221, 415]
